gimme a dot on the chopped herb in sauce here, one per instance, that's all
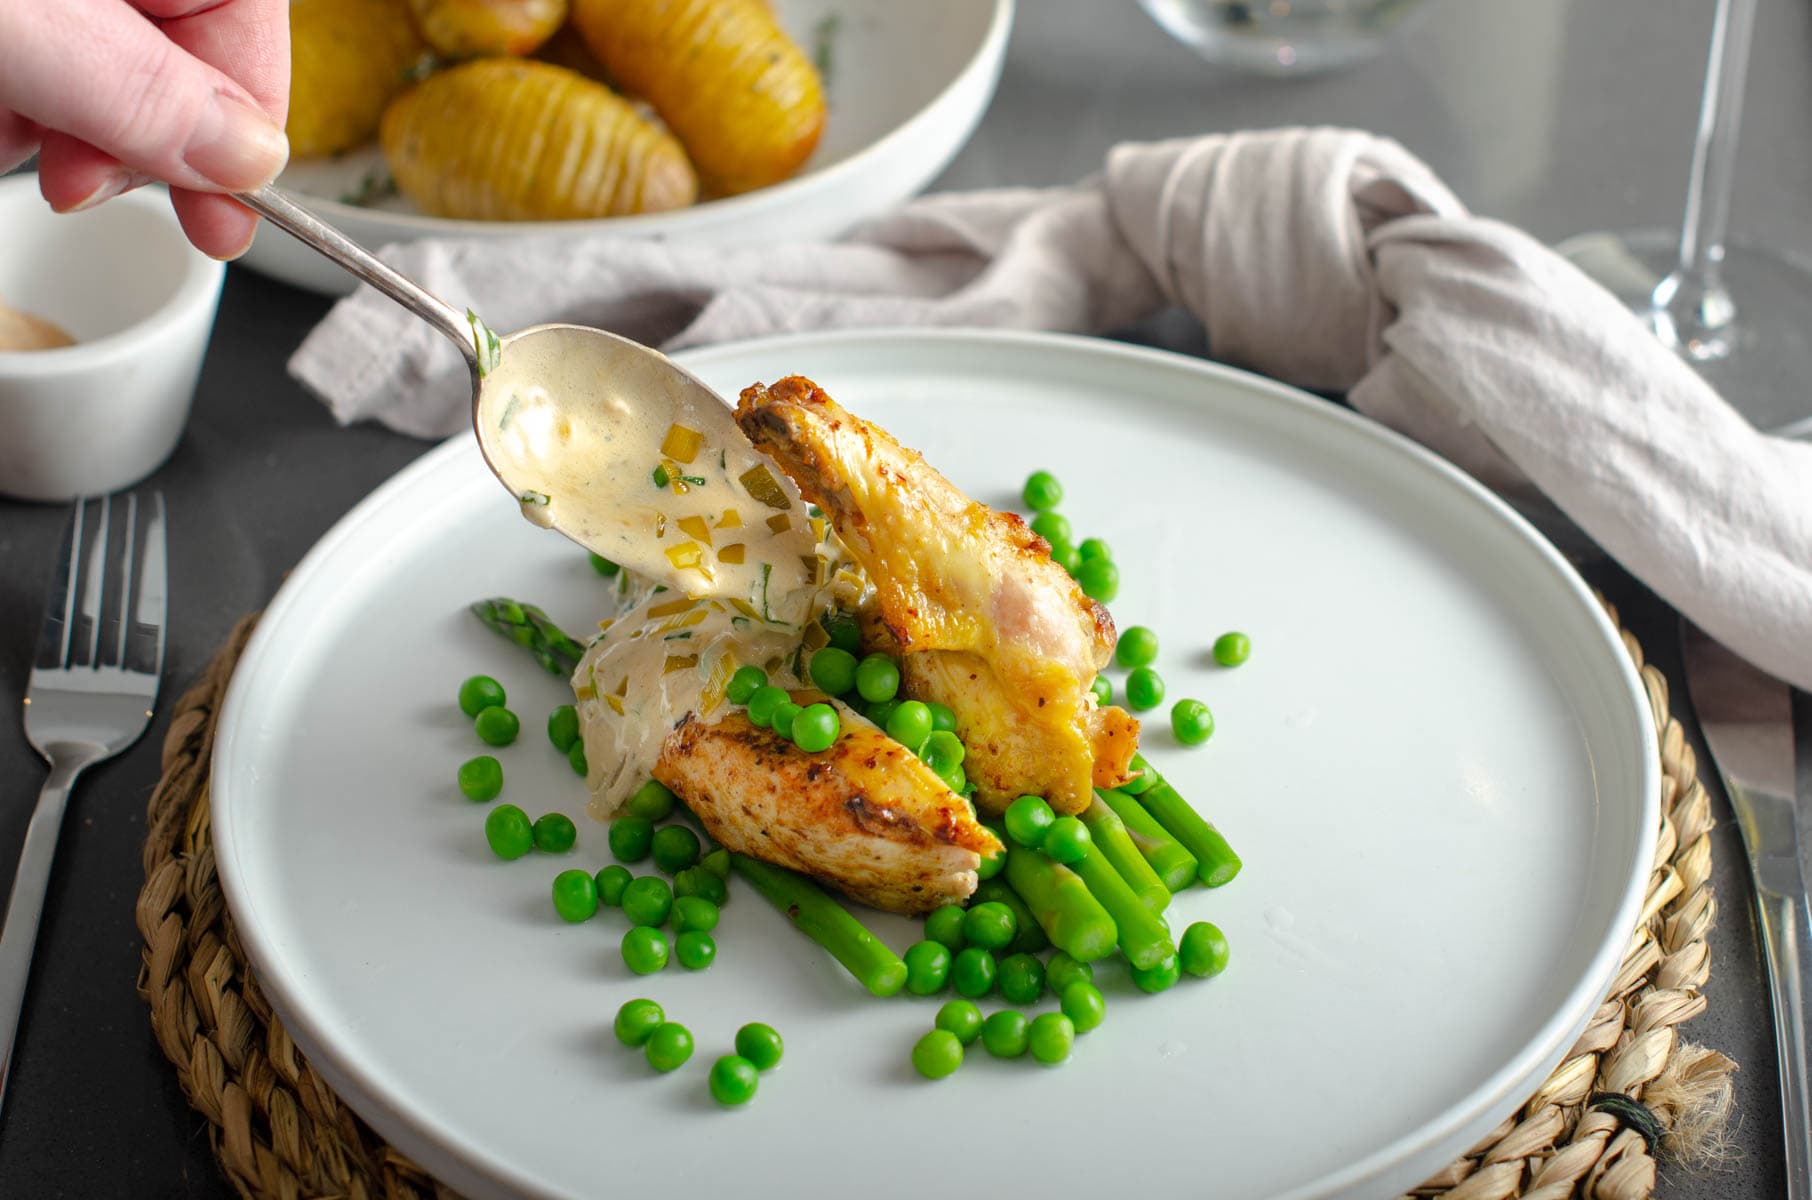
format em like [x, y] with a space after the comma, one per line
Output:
[485, 345]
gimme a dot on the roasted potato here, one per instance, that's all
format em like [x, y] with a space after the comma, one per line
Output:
[459, 29]
[349, 58]
[505, 139]
[740, 95]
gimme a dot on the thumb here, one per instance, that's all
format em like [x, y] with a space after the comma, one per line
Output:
[101, 72]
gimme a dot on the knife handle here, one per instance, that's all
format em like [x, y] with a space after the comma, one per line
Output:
[1787, 942]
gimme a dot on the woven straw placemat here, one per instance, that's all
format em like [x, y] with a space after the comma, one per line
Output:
[1629, 1089]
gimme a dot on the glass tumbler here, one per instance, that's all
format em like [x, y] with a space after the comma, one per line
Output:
[1280, 37]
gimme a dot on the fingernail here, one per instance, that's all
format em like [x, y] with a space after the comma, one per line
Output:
[111, 185]
[235, 146]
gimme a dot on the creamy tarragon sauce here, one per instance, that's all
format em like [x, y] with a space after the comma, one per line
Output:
[743, 570]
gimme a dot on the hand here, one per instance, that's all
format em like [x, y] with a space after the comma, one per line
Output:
[112, 94]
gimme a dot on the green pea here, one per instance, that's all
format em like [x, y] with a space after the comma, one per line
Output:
[1232, 649]
[669, 1046]
[972, 972]
[697, 881]
[1004, 1033]
[1054, 528]
[954, 777]
[695, 949]
[555, 833]
[815, 728]
[1083, 1003]
[1191, 722]
[1103, 689]
[647, 901]
[833, 669]
[1067, 557]
[652, 801]
[1028, 819]
[991, 865]
[507, 829]
[910, 724]
[942, 719]
[762, 704]
[927, 967]
[575, 895]
[960, 1018]
[781, 719]
[481, 778]
[1137, 647]
[733, 1080]
[990, 925]
[575, 758]
[1203, 950]
[882, 713]
[760, 1044]
[1144, 689]
[1063, 970]
[675, 848]
[563, 727]
[942, 750]
[1160, 977]
[745, 683]
[479, 693]
[1094, 548]
[644, 949]
[1042, 491]
[944, 925]
[1050, 1037]
[717, 862]
[636, 1020]
[604, 566]
[877, 678]
[694, 913]
[937, 1055]
[1021, 979]
[611, 882]
[1067, 840]
[631, 838]
[843, 631]
[1099, 579]
[496, 725]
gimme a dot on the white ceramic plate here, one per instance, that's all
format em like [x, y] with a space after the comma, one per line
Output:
[908, 84]
[1437, 765]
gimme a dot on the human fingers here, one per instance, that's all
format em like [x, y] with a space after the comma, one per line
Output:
[18, 139]
[103, 73]
[246, 40]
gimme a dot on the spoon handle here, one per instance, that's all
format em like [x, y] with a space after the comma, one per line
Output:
[306, 227]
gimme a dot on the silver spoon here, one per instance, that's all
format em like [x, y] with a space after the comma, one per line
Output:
[579, 425]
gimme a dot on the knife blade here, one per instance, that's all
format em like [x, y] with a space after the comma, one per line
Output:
[1747, 719]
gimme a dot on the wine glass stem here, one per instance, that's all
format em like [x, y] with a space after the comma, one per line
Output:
[1691, 307]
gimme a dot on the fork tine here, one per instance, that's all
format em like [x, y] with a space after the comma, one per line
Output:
[59, 605]
[117, 581]
[87, 635]
[144, 651]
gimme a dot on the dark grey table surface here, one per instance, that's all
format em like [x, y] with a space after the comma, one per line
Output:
[1561, 117]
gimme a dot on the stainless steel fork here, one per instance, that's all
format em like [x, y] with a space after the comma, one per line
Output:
[93, 683]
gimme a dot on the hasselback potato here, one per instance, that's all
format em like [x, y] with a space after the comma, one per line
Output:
[516, 140]
[348, 58]
[484, 28]
[743, 98]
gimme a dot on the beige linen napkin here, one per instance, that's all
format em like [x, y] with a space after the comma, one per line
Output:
[1326, 258]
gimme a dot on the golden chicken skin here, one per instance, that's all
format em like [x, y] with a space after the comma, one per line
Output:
[985, 622]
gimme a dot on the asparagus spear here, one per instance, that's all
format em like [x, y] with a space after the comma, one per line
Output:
[1062, 904]
[828, 923]
[1174, 865]
[1216, 861]
[1110, 839]
[1147, 775]
[1142, 935]
[531, 629]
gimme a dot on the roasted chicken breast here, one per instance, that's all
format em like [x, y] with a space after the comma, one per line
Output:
[865, 816]
[985, 622]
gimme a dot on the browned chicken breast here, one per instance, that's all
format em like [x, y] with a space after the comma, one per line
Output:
[985, 621]
[865, 816]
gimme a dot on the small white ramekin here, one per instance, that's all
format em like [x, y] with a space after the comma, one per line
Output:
[139, 300]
